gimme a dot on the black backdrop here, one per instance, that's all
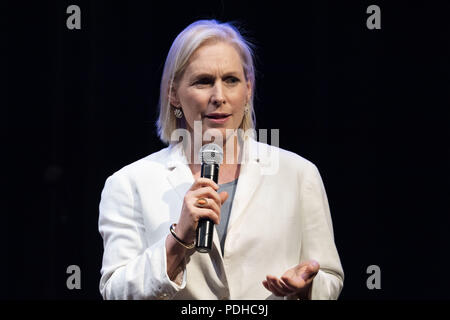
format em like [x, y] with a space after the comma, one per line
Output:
[368, 107]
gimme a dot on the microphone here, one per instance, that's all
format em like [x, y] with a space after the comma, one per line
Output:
[211, 156]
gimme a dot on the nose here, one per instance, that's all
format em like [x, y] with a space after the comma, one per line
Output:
[217, 97]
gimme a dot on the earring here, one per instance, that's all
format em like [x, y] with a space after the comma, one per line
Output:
[246, 108]
[178, 113]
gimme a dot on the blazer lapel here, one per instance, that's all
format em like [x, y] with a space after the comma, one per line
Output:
[250, 177]
[179, 175]
[181, 179]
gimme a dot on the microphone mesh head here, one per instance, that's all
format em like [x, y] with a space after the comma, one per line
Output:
[211, 153]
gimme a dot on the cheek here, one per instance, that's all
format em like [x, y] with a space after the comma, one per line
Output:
[195, 98]
[240, 95]
[194, 104]
[238, 103]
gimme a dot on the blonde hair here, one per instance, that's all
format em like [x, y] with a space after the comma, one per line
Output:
[185, 44]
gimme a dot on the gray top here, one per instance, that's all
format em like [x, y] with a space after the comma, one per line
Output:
[225, 210]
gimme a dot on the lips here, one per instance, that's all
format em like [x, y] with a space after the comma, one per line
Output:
[218, 118]
[217, 115]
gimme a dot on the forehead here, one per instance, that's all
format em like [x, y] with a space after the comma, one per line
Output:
[214, 57]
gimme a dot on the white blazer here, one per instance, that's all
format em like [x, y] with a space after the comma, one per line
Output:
[280, 217]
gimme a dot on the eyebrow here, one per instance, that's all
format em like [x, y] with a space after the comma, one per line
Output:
[208, 75]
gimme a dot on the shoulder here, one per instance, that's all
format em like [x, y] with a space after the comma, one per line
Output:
[285, 159]
[290, 168]
[151, 164]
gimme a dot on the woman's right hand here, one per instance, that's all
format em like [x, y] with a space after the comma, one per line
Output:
[191, 214]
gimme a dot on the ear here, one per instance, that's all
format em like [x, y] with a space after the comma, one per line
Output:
[173, 96]
[249, 90]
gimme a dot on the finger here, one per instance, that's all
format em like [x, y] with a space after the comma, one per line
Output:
[204, 182]
[223, 196]
[200, 212]
[287, 289]
[304, 264]
[206, 213]
[282, 287]
[210, 193]
[265, 284]
[314, 266]
[285, 282]
[274, 286]
[310, 265]
[296, 282]
[273, 289]
[311, 271]
[277, 283]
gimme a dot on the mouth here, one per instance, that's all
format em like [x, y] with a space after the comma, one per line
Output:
[218, 118]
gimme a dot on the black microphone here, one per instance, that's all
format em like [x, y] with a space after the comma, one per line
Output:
[211, 156]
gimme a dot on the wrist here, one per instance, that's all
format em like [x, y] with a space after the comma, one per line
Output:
[175, 256]
[180, 240]
[173, 247]
[304, 293]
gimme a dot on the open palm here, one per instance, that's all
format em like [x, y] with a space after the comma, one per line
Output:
[296, 281]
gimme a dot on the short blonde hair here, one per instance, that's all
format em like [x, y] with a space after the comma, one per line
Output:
[185, 44]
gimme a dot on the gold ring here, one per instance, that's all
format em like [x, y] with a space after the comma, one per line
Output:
[201, 202]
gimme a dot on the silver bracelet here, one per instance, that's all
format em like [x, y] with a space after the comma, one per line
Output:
[184, 244]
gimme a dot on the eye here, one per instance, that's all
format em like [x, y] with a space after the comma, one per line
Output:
[232, 80]
[202, 81]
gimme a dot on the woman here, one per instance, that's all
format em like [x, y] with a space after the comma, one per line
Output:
[274, 236]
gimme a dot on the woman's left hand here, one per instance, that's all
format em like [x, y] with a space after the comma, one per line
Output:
[297, 281]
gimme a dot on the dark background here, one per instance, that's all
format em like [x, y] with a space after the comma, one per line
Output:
[368, 107]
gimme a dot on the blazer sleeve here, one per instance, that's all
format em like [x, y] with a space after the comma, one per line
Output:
[318, 238]
[130, 269]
